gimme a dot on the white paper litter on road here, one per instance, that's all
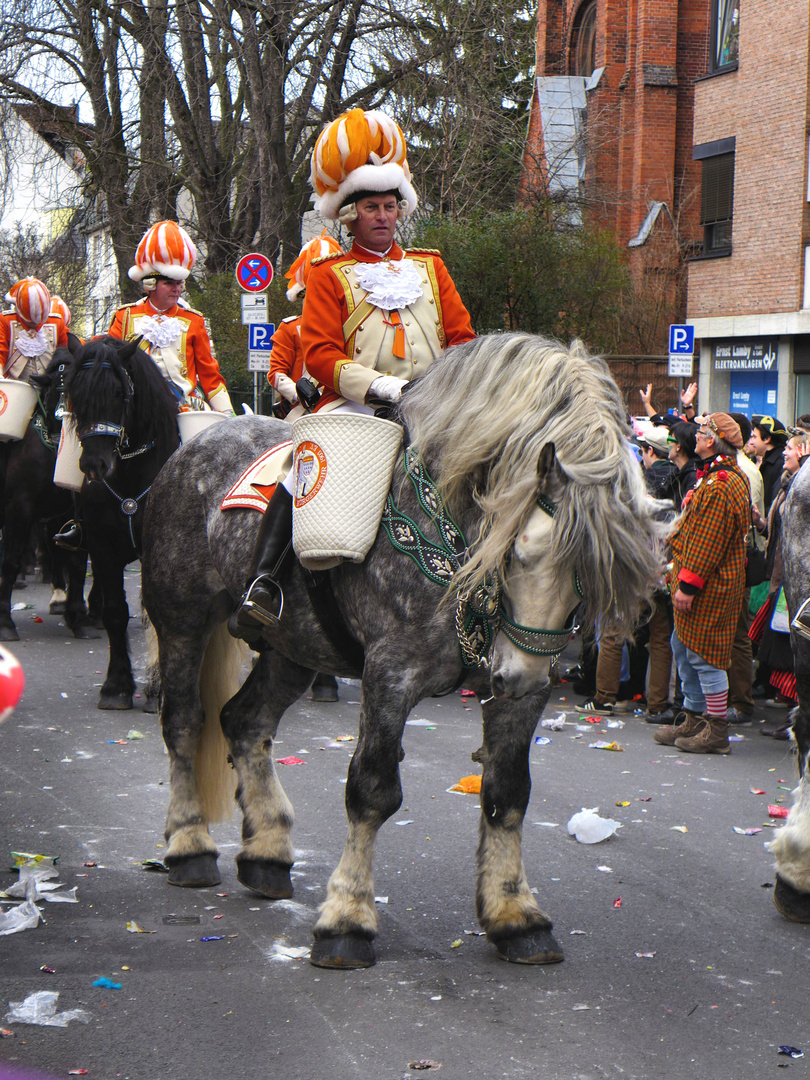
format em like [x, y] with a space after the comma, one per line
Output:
[40, 1008]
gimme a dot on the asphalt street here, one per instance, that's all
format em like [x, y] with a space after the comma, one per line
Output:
[693, 974]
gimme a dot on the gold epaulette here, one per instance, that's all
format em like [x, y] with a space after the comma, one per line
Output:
[422, 251]
[326, 258]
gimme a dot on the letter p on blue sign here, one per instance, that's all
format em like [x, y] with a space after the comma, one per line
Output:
[681, 340]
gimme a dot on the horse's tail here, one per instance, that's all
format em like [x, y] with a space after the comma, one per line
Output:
[219, 681]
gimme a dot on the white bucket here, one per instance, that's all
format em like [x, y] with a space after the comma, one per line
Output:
[66, 473]
[342, 467]
[193, 422]
[17, 403]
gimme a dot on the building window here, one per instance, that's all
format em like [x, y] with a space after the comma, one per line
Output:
[583, 41]
[717, 203]
[726, 34]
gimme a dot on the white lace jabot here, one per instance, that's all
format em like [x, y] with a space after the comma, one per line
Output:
[31, 343]
[160, 331]
[390, 285]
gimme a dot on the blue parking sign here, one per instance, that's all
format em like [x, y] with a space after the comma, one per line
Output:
[260, 336]
[681, 340]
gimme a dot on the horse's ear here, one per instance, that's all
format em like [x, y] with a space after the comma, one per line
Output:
[127, 349]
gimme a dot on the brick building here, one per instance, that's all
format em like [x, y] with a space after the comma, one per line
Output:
[612, 114]
[749, 291]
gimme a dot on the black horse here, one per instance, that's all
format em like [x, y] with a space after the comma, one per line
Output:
[30, 499]
[126, 421]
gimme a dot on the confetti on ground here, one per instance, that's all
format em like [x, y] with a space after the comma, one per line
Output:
[213, 937]
[107, 984]
[778, 811]
[679, 828]
[617, 903]
[600, 745]
[424, 1063]
[542, 740]
[746, 832]
[468, 785]
[791, 1051]
[133, 928]
[573, 933]
[290, 761]
[646, 955]
[756, 791]
[605, 869]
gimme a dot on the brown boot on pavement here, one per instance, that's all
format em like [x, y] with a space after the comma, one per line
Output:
[689, 724]
[711, 739]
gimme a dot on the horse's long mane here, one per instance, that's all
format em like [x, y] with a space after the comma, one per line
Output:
[95, 383]
[480, 417]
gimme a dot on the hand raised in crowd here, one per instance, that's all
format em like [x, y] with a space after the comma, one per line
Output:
[646, 397]
[689, 394]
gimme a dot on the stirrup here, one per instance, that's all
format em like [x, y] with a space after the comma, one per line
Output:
[71, 537]
[801, 623]
[256, 612]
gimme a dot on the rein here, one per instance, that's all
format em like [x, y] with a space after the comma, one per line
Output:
[479, 612]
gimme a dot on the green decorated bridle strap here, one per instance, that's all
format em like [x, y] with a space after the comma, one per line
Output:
[479, 613]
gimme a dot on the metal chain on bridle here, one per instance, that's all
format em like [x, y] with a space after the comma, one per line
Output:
[479, 614]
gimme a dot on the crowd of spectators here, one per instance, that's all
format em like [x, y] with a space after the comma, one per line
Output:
[724, 479]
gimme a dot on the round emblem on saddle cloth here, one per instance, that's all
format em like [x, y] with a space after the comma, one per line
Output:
[310, 472]
[3, 401]
[129, 506]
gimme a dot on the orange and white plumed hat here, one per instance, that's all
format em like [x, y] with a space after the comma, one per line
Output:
[298, 274]
[165, 250]
[32, 301]
[360, 151]
[60, 308]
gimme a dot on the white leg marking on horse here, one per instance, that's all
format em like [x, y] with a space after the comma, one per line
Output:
[186, 828]
[791, 845]
[504, 898]
[268, 813]
[58, 596]
[349, 903]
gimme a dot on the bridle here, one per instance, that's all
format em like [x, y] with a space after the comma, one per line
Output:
[110, 428]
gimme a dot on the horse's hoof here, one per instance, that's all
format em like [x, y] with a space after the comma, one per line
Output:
[537, 947]
[194, 871]
[58, 607]
[117, 702]
[324, 688]
[268, 877]
[344, 953]
[791, 903]
[150, 705]
[96, 621]
[8, 633]
[86, 632]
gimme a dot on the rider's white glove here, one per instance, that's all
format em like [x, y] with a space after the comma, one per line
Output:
[286, 387]
[387, 388]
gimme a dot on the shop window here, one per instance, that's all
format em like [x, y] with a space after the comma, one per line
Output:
[725, 34]
[583, 41]
[717, 203]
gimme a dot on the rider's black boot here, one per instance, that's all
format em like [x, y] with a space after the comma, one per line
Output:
[263, 602]
[71, 538]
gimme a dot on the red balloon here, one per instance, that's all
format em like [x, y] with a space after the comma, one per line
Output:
[12, 683]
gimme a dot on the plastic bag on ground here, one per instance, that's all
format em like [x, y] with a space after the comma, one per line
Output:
[589, 828]
[23, 917]
[40, 1009]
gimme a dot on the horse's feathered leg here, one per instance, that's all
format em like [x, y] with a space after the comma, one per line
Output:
[348, 918]
[191, 854]
[506, 909]
[249, 721]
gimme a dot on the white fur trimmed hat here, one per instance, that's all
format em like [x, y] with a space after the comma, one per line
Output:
[165, 250]
[360, 151]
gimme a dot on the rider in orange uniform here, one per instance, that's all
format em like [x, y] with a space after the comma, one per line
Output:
[173, 334]
[29, 331]
[287, 356]
[373, 319]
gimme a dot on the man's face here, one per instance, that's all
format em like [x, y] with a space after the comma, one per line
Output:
[165, 294]
[647, 456]
[375, 223]
[756, 444]
[705, 446]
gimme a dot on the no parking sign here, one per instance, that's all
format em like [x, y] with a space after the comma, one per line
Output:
[254, 272]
